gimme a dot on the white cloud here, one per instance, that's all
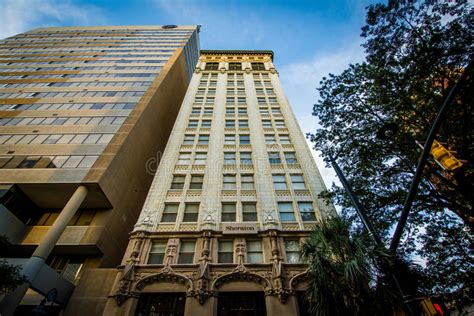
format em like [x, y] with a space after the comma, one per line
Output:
[300, 80]
[17, 16]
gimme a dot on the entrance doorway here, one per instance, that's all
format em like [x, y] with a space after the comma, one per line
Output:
[241, 304]
[161, 304]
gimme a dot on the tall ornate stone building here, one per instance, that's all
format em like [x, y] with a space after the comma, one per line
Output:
[82, 109]
[234, 196]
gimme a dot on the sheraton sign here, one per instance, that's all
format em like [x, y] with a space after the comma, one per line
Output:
[235, 228]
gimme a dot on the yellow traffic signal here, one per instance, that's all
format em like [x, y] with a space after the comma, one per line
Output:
[444, 157]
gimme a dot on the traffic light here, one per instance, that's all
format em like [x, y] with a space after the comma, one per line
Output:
[433, 307]
[444, 157]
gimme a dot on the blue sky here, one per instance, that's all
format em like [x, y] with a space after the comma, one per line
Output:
[309, 38]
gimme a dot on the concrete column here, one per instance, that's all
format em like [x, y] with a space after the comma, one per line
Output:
[211, 191]
[193, 308]
[275, 307]
[262, 173]
[11, 301]
[313, 178]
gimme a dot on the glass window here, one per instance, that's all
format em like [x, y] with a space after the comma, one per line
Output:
[169, 213]
[279, 182]
[229, 124]
[285, 139]
[274, 158]
[254, 251]
[184, 158]
[244, 139]
[186, 251]
[290, 158]
[242, 111]
[258, 66]
[292, 249]
[229, 158]
[235, 66]
[188, 139]
[87, 162]
[270, 139]
[178, 182]
[192, 124]
[52, 139]
[247, 182]
[297, 181]
[249, 212]
[306, 211]
[157, 252]
[243, 124]
[196, 182]
[203, 139]
[286, 212]
[191, 211]
[226, 251]
[29, 162]
[73, 162]
[228, 212]
[206, 124]
[105, 138]
[200, 158]
[229, 182]
[229, 139]
[280, 123]
[246, 158]
[212, 66]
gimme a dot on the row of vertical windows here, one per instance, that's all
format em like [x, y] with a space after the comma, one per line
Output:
[286, 211]
[78, 84]
[56, 139]
[76, 161]
[195, 182]
[77, 94]
[85, 75]
[234, 66]
[68, 106]
[87, 120]
[33, 68]
[225, 248]
[199, 158]
[229, 182]
[280, 182]
[104, 59]
[50, 56]
[201, 124]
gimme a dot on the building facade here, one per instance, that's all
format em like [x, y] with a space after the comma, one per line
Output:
[82, 111]
[231, 202]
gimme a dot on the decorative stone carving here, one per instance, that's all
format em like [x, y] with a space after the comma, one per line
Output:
[204, 274]
[128, 273]
[209, 218]
[146, 219]
[123, 291]
[269, 218]
[197, 70]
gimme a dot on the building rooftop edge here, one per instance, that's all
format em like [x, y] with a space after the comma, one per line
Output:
[237, 51]
[98, 27]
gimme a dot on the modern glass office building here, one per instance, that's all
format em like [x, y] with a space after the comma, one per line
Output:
[84, 115]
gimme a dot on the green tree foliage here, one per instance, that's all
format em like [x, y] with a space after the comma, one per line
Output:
[416, 51]
[344, 272]
[10, 276]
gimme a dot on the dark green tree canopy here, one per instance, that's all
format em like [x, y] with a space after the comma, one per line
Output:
[416, 51]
